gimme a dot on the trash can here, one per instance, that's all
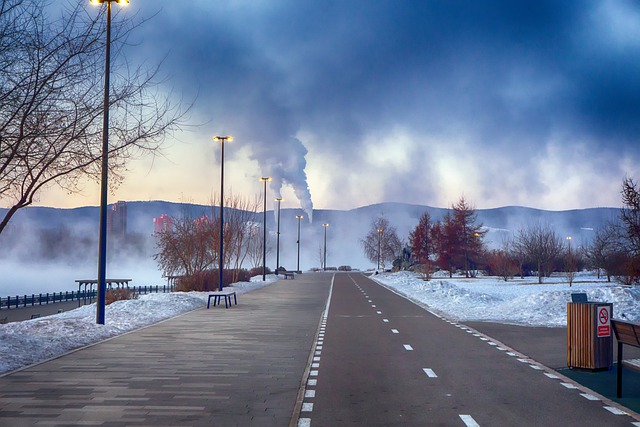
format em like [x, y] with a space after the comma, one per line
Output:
[589, 335]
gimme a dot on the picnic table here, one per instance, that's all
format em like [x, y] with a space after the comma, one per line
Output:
[118, 283]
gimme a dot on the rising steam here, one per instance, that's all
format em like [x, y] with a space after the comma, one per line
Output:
[285, 163]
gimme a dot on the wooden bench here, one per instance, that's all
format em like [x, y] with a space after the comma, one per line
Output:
[626, 333]
[223, 294]
[288, 275]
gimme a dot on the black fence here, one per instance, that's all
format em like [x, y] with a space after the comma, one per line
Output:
[81, 296]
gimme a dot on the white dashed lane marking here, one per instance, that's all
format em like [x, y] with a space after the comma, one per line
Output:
[569, 386]
[615, 411]
[430, 373]
[469, 421]
[588, 396]
[395, 331]
[408, 347]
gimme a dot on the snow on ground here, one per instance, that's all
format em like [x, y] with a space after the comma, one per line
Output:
[31, 341]
[518, 302]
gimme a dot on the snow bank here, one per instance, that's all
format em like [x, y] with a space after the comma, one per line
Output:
[519, 302]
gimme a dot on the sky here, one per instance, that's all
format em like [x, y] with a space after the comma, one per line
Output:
[352, 102]
[480, 299]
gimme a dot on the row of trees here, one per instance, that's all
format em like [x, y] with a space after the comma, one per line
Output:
[456, 243]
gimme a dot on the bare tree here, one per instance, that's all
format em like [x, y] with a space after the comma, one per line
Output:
[602, 253]
[189, 248]
[541, 245]
[630, 216]
[239, 215]
[570, 265]
[502, 264]
[51, 101]
[384, 244]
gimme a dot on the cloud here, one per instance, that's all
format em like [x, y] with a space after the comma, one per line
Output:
[455, 96]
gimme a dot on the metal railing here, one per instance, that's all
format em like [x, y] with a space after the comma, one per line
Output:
[20, 301]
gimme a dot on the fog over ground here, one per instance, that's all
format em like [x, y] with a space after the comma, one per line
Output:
[27, 265]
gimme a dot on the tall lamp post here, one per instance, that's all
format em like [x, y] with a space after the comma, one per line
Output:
[102, 242]
[222, 140]
[380, 230]
[298, 217]
[325, 225]
[279, 200]
[264, 229]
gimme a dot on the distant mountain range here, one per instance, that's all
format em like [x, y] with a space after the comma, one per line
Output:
[578, 222]
[347, 228]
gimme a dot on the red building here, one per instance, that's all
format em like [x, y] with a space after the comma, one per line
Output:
[162, 224]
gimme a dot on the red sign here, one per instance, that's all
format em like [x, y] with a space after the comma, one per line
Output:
[604, 322]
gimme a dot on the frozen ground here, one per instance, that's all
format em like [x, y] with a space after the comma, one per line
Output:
[31, 341]
[519, 302]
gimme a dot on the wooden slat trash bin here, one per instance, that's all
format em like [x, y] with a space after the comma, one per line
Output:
[589, 335]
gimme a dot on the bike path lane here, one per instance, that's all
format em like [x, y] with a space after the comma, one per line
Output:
[384, 361]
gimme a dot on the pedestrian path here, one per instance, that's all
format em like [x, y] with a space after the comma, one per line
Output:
[224, 367]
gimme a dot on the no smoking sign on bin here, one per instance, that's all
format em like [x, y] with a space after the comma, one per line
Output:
[604, 322]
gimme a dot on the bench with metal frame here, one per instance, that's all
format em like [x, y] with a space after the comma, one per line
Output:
[222, 294]
[626, 333]
[288, 275]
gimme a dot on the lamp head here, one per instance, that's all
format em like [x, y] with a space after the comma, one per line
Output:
[265, 179]
[223, 138]
[99, 2]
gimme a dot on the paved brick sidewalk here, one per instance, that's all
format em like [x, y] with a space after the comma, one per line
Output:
[224, 367]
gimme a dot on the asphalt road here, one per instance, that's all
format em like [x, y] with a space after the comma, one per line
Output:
[381, 360]
[25, 313]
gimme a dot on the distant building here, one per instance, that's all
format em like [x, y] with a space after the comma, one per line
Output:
[202, 221]
[162, 224]
[117, 219]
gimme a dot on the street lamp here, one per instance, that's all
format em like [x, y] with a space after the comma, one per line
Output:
[102, 241]
[325, 225]
[264, 229]
[279, 200]
[298, 217]
[380, 230]
[222, 140]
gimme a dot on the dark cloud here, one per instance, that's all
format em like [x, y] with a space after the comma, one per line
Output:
[506, 77]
